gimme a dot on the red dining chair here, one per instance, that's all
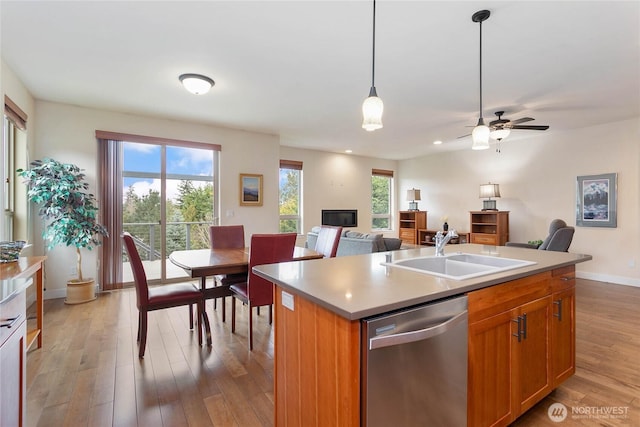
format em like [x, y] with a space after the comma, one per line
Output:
[256, 291]
[159, 297]
[225, 237]
[328, 240]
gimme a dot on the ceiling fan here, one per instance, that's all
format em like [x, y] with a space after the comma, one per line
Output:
[501, 128]
[503, 124]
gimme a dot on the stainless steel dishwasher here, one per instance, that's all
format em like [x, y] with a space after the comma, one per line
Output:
[415, 366]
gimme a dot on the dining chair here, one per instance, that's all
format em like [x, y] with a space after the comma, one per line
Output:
[256, 291]
[225, 237]
[328, 240]
[159, 297]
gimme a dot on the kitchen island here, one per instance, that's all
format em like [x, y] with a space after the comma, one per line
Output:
[320, 305]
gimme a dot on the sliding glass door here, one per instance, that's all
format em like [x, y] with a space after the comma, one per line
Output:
[167, 204]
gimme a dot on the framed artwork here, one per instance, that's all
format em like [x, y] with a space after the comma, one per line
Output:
[250, 189]
[597, 197]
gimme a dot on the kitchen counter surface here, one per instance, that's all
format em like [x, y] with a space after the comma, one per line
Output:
[360, 286]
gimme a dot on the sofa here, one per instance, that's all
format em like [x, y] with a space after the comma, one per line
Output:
[355, 243]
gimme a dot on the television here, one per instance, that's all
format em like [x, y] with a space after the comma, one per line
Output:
[340, 217]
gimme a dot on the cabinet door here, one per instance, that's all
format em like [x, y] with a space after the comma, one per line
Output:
[563, 349]
[532, 379]
[491, 343]
[408, 235]
[484, 239]
[13, 384]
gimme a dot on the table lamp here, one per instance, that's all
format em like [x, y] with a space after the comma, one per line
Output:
[412, 196]
[488, 191]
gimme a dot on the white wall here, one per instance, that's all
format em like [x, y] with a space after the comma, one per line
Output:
[537, 178]
[337, 181]
[67, 133]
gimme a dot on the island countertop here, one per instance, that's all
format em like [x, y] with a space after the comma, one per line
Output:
[360, 286]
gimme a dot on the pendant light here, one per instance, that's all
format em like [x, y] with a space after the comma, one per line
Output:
[372, 107]
[480, 134]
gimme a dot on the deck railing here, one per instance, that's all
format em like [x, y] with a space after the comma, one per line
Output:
[179, 236]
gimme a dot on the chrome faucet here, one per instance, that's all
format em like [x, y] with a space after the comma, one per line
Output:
[442, 240]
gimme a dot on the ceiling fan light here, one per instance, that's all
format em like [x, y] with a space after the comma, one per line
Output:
[196, 83]
[372, 109]
[500, 134]
[480, 136]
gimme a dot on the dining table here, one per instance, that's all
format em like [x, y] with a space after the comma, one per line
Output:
[203, 263]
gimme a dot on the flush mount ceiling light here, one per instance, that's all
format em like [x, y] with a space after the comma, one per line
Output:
[480, 134]
[196, 83]
[372, 107]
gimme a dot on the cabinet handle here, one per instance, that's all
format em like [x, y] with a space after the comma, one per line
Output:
[559, 313]
[566, 279]
[518, 320]
[524, 326]
[11, 321]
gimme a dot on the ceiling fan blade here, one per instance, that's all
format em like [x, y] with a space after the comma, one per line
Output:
[530, 127]
[522, 120]
[464, 136]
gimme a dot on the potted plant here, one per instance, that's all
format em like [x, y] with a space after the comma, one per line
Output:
[60, 191]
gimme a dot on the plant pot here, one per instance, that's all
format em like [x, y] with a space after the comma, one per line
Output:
[80, 291]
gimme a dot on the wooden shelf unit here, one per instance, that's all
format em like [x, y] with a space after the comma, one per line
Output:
[425, 237]
[25, 268]
[409, 222]
[489, 227]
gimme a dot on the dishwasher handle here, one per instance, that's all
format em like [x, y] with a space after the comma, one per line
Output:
[419, 335]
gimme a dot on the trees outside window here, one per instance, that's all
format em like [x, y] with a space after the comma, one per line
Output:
[381, 185]
[290, 196]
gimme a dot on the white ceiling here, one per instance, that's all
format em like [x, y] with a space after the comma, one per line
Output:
[301, 69]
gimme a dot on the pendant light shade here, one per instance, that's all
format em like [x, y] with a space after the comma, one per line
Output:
[372, 107]
[480, 134]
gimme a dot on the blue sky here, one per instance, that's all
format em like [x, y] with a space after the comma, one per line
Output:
[146, 158]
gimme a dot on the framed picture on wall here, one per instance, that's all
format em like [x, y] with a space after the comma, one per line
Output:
[597, 197]
[250, 189]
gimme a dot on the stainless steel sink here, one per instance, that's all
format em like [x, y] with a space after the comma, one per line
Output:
[459, 266]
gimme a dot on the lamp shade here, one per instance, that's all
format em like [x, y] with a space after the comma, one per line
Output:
[489, 190]
[196, 83]
[413, 195]
[480, 136]
[372, 109]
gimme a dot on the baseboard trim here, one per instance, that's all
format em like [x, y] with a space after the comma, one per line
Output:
[618, 280]
[60, 293]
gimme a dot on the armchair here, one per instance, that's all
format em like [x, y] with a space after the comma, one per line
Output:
[559, 238]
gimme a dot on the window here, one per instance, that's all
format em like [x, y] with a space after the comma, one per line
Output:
[381, 181]
[290, 196]
[15, 207]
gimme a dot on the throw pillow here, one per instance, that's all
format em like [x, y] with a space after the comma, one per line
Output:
[354, 235]
[378, 241]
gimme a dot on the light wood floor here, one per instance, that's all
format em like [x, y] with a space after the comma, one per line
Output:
[88, 372]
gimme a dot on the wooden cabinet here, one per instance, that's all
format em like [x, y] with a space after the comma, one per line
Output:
[409, 222]
[489, 227]
[518, 351]
[426, 237]
[563, 333]
[317, 364]
[13, 350]
[25, 268]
